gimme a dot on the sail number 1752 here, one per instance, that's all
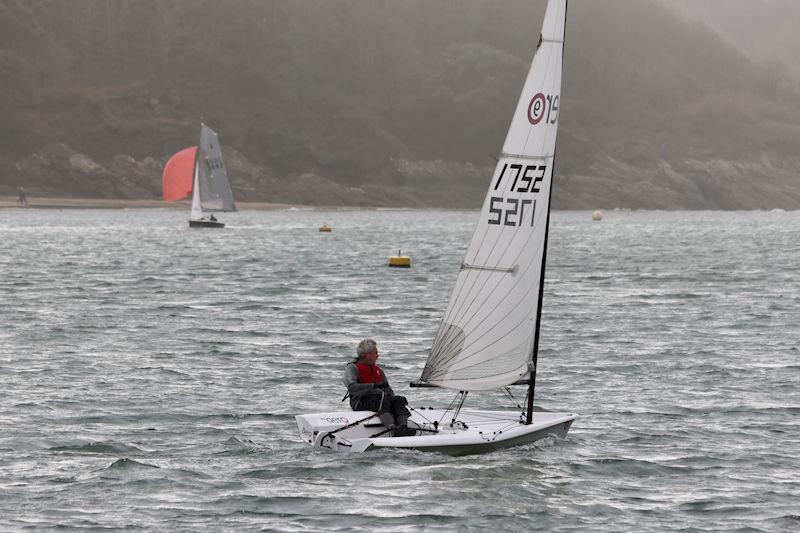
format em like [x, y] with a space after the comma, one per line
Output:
[515, 211]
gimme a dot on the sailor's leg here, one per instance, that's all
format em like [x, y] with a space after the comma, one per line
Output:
[382, 404]
[387, 419]
[386, 410]
[400, 410]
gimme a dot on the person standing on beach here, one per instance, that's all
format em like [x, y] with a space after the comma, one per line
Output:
[23, 197]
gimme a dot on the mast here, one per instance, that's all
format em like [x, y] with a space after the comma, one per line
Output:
[535, 352]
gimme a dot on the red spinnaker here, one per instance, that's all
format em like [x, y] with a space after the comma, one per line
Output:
[178, 175]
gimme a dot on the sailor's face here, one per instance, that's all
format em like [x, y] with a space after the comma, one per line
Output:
[371, 357]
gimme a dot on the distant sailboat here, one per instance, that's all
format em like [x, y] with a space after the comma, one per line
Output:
[489, 334]
[200, 170]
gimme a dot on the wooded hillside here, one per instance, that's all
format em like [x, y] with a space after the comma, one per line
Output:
[389, 102]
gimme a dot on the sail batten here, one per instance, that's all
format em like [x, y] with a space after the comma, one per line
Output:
[507, 270]
[528, 157]
[488, 332]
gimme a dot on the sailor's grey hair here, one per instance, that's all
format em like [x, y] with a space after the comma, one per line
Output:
[365, 347]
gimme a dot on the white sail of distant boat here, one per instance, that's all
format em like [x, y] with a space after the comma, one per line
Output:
[205, 177]
[488, 337]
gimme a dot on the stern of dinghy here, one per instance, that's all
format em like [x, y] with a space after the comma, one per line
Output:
[337, 431]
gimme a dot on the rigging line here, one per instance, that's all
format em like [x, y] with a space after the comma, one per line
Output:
[534, 357]
[444, 414]
[421, 415]
[514, 399]
[507, 426]
[460, 405]
[486, 316]
[488, 417]
[492, 419]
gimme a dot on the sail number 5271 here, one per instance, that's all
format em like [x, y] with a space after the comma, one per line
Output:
[511, 211]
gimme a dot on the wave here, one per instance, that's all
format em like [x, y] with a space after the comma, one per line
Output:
[106, 447]
[129, 464]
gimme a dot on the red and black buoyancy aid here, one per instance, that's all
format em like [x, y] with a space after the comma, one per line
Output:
[369, 373]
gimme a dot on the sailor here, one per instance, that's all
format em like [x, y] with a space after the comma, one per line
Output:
[369, 390]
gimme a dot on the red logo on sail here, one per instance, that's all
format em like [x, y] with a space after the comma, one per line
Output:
[543, 107]
[536, 109]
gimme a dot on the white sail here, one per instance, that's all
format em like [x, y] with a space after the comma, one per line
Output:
[197, 210]
[214, 188]
[486, 337]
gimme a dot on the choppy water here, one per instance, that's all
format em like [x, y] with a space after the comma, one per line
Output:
[149, 374]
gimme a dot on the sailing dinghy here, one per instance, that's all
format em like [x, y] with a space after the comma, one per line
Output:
[200, 170]
[489, 335]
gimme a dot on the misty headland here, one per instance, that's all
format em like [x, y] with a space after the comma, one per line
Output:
[390, 103]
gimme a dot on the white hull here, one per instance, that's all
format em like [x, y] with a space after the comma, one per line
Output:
[473, 431]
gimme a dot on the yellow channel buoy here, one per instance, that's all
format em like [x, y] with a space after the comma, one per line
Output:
[400, 261]
[597, 215]
[325, 228]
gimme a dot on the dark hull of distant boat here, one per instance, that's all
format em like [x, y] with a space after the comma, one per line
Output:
[205, 224]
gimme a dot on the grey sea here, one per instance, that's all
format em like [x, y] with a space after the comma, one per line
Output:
[150, 374]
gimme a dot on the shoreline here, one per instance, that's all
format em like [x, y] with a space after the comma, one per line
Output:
[36, 202]
[43, 202]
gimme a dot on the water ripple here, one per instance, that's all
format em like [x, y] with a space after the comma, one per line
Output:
[151, 374]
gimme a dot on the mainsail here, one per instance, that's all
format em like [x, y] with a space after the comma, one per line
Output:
[212, 180]
[488, 335]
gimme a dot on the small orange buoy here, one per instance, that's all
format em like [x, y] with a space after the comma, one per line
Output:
[324, 228]
[399, 261]
[597, 215]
